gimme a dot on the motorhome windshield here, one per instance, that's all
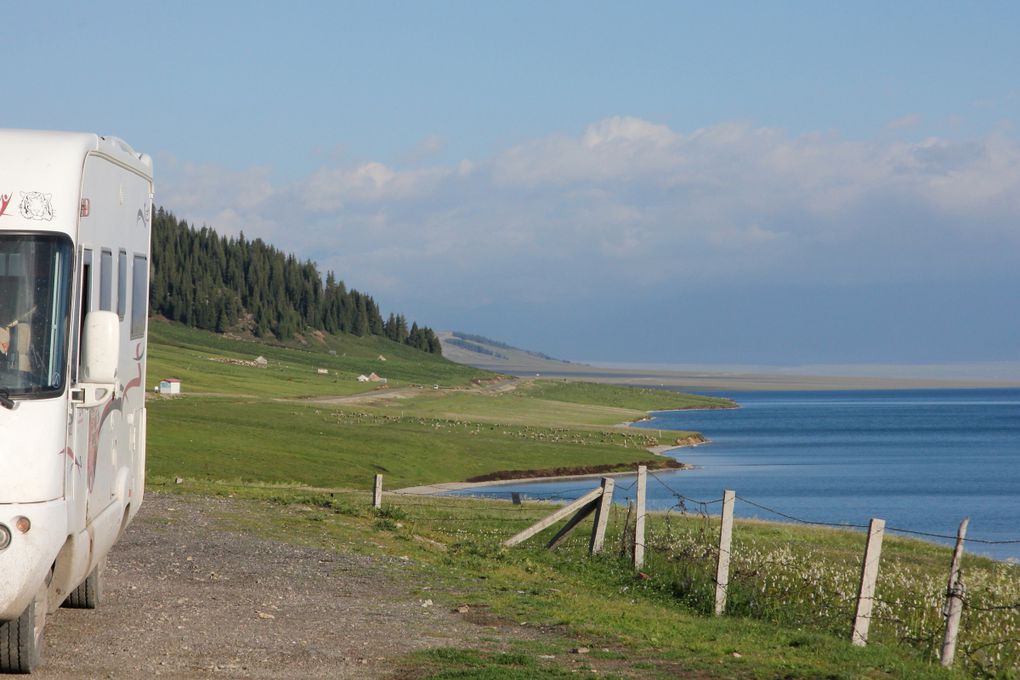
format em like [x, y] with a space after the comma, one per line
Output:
[35, 285]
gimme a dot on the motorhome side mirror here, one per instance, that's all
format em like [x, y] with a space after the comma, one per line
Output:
[100, 348]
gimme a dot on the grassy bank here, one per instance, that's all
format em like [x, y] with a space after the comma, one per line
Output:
[278, 441]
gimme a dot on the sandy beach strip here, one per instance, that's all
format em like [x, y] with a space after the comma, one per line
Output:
[445, 487]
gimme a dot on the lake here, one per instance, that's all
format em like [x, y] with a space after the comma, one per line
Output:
[920, 459]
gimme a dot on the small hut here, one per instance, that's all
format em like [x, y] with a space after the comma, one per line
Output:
[170, 386]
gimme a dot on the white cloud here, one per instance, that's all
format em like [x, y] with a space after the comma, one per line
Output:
[626, 130]
[630, 203]
[189, 187]
[329, 189]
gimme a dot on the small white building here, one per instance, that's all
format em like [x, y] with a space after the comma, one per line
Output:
[322, 371]
[170, 386]
[362, 378]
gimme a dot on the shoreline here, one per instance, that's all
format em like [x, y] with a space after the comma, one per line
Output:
[649, 417]
[689, 442]
[428, 489]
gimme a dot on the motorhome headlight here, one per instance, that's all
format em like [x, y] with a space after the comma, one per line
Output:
[5, 537]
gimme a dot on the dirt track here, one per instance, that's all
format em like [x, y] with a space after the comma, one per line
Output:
[186, 598]
[381, 396]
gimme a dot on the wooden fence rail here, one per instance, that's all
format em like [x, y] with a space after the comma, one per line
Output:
[597, 502]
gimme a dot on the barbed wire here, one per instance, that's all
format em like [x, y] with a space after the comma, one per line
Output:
[630, 486]
[991, 608]
[799, 519]
[681, 496]
[683, 501]
[952, 537]
[970, 650]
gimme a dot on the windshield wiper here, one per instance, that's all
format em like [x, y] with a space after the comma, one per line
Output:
[5, 399]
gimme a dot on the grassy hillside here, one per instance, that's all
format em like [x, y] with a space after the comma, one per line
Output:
[191, 355]
[285, 423]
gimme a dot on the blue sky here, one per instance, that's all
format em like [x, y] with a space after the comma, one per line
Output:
[734, 183]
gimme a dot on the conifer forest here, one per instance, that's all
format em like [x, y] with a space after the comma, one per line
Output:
[221, 284]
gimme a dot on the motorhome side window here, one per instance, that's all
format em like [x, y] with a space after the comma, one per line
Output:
[35, 285]
[106, 281]
[139, 295]
[121, 284]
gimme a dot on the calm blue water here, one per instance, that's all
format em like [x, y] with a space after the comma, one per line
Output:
[920, 459]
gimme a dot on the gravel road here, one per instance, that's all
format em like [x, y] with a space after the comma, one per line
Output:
[187, 598]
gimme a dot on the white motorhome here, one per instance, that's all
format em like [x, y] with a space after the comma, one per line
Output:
[75, 216]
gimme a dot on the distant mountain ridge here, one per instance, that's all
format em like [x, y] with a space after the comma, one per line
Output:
[493, 355]
[482, 352]
[480, 340]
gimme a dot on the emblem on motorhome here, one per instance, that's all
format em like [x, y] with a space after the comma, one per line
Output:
[143, 217]
[5, 200]
[36, 205]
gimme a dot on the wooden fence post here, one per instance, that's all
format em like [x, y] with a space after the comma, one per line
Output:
[515, 497]
[954, 598]
[722, 567]
[639, 521]
[869, 577]
[598, 532]
[377, 493]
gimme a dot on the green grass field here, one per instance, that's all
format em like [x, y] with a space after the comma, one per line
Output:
[244, 423]
[293, 442]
